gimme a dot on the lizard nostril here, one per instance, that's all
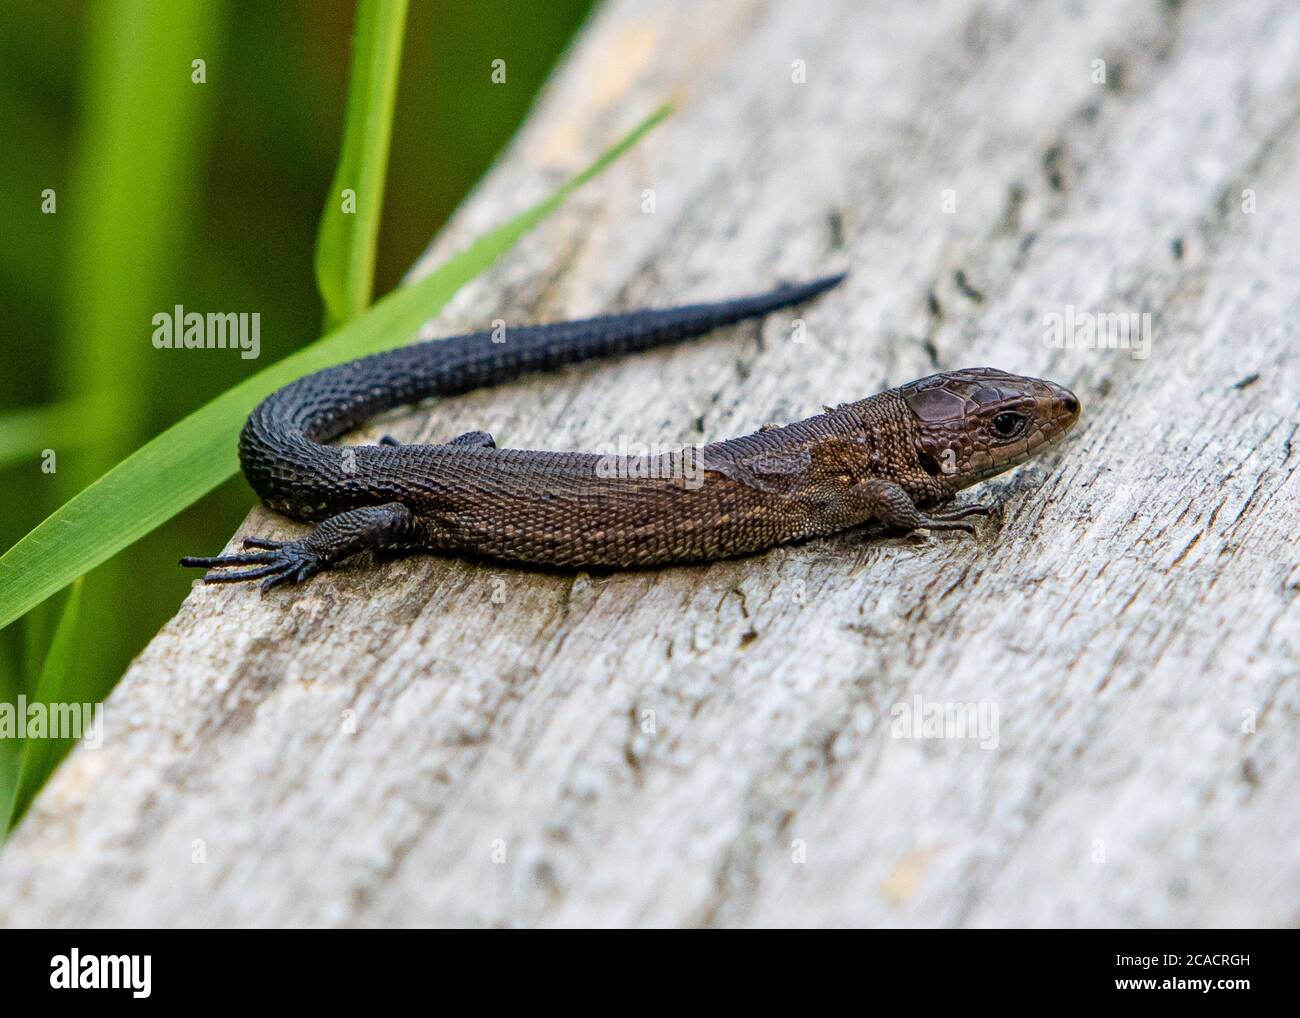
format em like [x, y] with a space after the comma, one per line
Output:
[1071, 405]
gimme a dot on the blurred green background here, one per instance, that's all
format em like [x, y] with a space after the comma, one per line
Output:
[210, 199]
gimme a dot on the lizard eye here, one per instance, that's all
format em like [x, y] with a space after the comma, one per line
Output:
[1009, 424]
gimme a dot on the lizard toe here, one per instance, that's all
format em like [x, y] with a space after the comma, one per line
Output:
[263, 542]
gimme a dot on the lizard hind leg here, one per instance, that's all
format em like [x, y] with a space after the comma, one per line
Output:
[474, 440]
[469, 440]
[390, 526]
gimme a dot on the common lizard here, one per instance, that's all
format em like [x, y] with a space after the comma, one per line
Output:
[897, 458]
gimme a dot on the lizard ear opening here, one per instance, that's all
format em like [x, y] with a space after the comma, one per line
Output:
[929, 464]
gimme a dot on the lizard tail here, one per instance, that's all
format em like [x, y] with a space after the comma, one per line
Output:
[281, 447]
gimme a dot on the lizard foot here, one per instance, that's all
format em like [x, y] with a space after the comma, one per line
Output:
[370, 528]
[953, 517]
[277, 563]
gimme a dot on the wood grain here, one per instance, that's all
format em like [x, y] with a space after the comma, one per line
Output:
[435, 742]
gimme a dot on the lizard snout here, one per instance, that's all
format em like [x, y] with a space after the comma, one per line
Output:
[1070, 407]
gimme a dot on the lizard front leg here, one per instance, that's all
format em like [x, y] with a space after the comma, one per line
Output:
[889, 504]
[390, 526]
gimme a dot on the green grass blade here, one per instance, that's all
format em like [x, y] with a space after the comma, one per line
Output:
[133, 205]
[11, 750]
[347, 240]
[195, 455]
[40, 756]
[130, 203]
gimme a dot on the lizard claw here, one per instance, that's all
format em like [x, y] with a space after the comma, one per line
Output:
[280, 562]
[962, 511]
[948, 524]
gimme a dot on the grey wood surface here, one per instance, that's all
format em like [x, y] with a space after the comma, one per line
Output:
[436, 742]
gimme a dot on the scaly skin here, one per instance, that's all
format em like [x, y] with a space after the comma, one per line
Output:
[886, 458]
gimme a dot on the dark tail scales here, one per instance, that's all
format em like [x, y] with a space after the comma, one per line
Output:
[474, 361]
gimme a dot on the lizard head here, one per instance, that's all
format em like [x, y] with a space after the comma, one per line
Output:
[975, 423]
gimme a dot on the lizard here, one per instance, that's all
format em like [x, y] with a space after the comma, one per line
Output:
[897, 458]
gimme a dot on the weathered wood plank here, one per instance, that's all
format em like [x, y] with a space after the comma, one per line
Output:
[1131, 614]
